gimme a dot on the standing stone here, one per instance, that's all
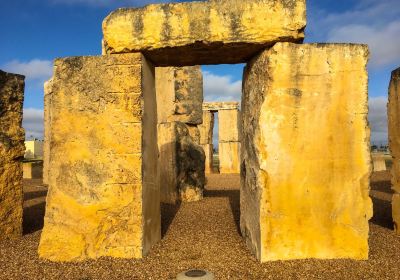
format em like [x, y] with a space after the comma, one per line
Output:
[179, 92]
[206, 138]
[47, 117]
[12, 150]
[229, 140]
[378, 162]
[305, 157]
[204, 32]
[181, 164]
[103, 195]
[394, 143]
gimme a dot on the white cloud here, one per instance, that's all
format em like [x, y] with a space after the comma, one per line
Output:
[378, 119]
[34, 69]
[383, 41]
[376, 23]
[221, 88]
[33, 123]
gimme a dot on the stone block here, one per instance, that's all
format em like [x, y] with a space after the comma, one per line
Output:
[206, 128]
[103, 195]
[204, 32]
[181, 164]
[378, 162]
[208, 150]
[394, 143]
[229, 154]
[12, 150]
[179, 94]
[305, 153]
[229, 126]
[46, 120]
[33, 169]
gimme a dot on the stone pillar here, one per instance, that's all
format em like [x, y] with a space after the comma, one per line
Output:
[12, 150]
[394, 143]
[229, 140]
[378, 161]
[179, 93]
[103, 195]
[305, 157]
[206, 139]
[47, 117]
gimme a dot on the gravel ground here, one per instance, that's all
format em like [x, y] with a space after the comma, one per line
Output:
[204, 235]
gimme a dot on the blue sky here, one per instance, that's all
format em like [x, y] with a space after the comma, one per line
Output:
[34, 32]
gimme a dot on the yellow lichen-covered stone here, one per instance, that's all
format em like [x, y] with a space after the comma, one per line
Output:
[204, 32]
[305, 152]
[394, 143]
[103, 194]
[11, 153]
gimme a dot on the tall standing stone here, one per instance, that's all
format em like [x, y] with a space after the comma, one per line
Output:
[204, 32]
[12, 150]
[305, 157]
[229, 140]
[179, 92]
[206, 139]
[103, 195]
[394, 143]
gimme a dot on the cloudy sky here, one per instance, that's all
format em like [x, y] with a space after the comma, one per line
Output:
[34, 32]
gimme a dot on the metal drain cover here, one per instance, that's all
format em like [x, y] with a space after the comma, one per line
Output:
[195, 274]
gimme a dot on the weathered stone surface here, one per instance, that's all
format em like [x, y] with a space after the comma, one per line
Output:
[208, 150]
[46, 119]
[305, 153]
[103, 195]
[228, 125]
[229, 154]
[378, 162]
[179, 94]
[206, 128]
[181, 163]
[394, 143]
[206, 32]
[12, 150]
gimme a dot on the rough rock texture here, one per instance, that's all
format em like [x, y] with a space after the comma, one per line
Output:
[181, 164]
[206, 136]
[305, 153]
[206, 128]
[103, 196]
[206, 32]
[394, 143]
[12, 150]
[179, 94]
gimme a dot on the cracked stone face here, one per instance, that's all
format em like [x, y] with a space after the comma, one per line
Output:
[103, 195]
[12, 150]
[204, 32]
[305, 153]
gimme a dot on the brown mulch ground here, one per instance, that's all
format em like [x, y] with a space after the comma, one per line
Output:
[204, 235]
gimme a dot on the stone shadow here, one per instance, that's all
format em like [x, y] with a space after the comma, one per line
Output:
[168, 213]
[382, 213]
[33, 218]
